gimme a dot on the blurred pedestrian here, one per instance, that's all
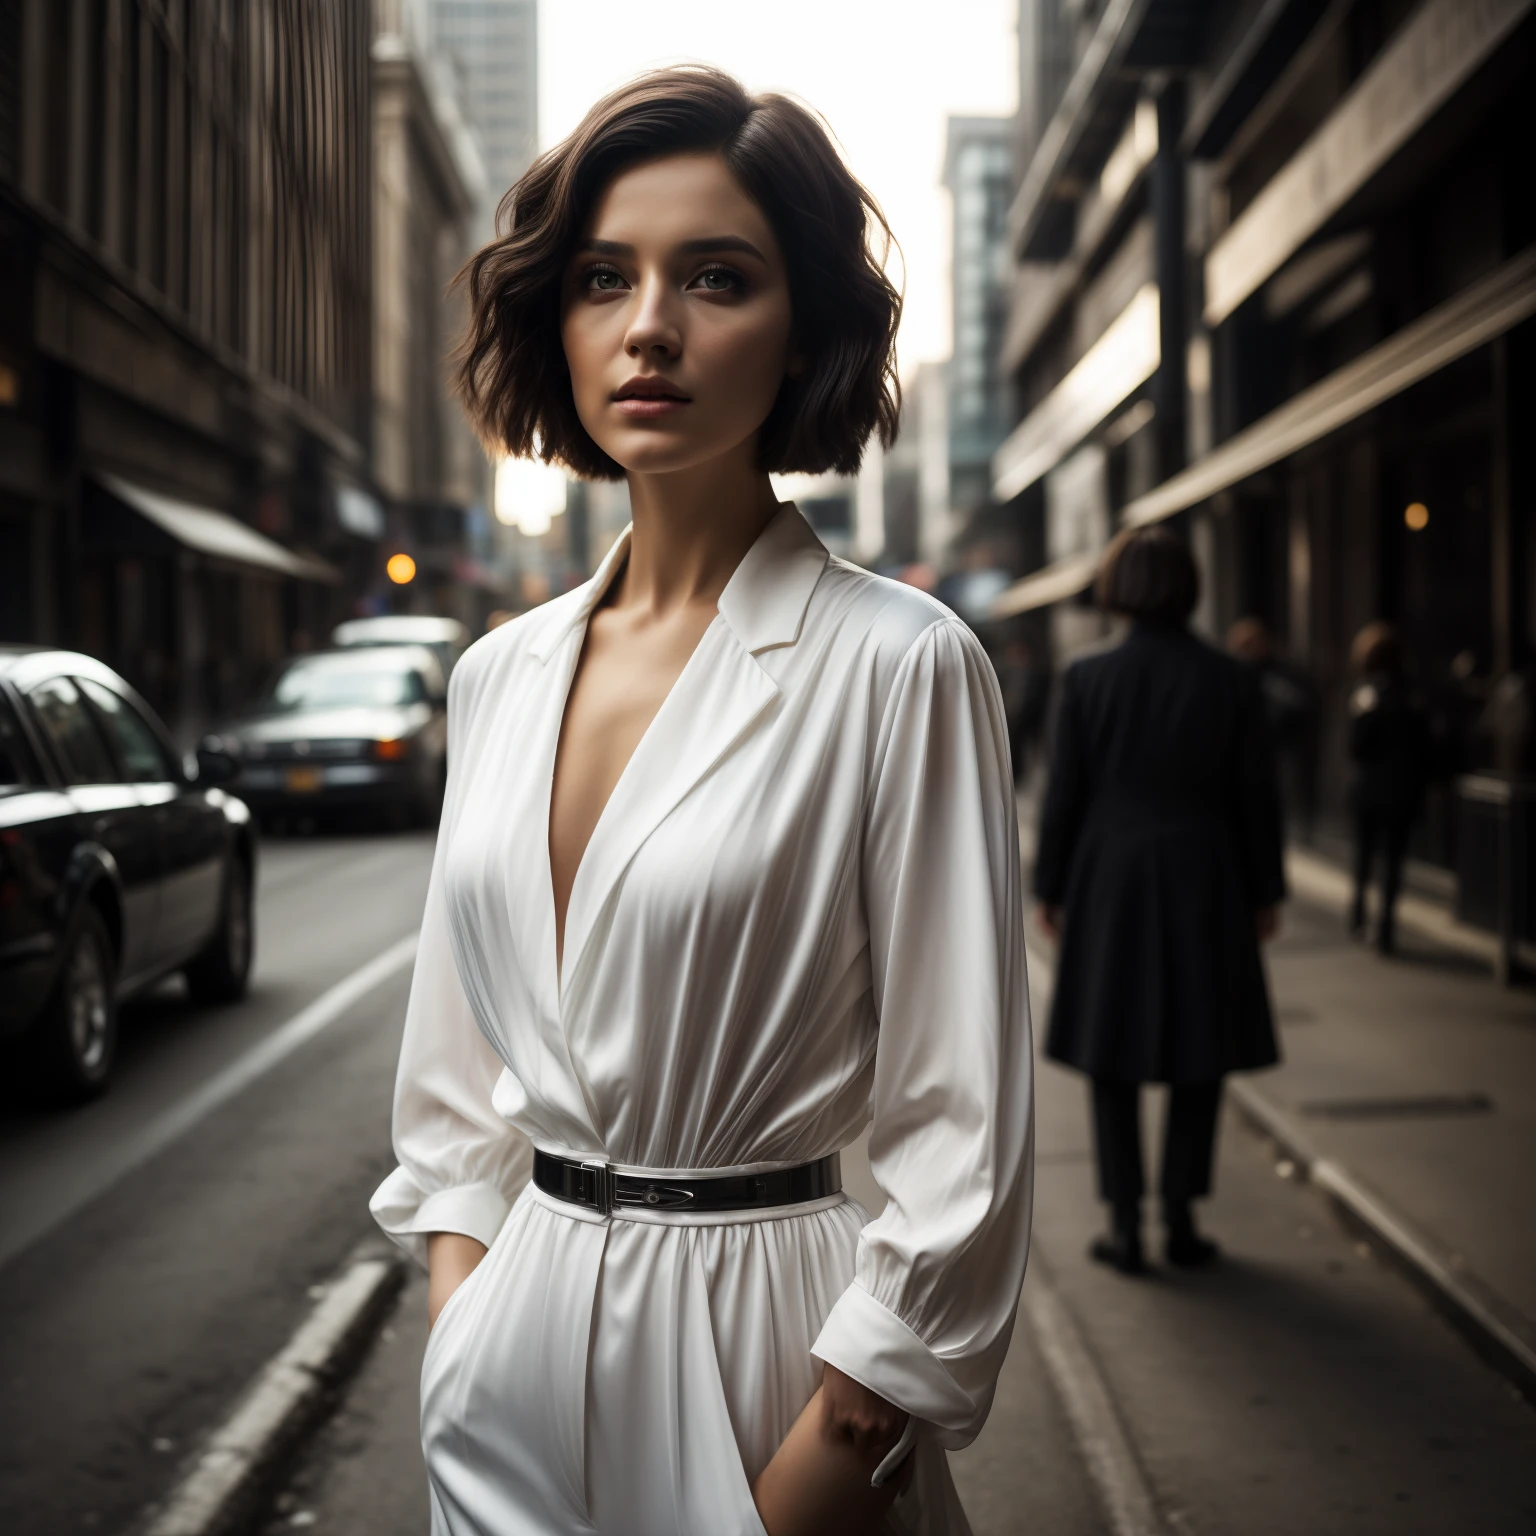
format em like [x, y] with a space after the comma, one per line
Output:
[1290, 708]
[1159, 870]
[1392, 753]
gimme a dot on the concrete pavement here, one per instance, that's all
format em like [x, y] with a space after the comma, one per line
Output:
[1299, 1386]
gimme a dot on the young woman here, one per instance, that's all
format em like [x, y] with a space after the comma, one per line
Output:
[727, 871]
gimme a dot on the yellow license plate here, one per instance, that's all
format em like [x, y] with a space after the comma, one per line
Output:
[304, 781]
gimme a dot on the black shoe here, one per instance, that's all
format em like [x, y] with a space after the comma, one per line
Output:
[1119, 1250]
[1188, 1250]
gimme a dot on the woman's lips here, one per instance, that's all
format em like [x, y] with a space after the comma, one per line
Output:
[646, 406]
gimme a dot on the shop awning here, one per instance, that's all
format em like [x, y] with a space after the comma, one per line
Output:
[1114, 367]
[217, 534]
[1474, 317]
[1050, 584]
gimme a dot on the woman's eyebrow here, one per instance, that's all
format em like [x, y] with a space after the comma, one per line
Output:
[688, 247]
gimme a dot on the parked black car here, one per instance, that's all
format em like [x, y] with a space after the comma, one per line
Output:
[364, 729]
[119, 863]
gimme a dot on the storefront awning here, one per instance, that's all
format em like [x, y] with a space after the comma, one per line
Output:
[217, 534]
[1115, 366]
[1474, 317]
[1051, 584]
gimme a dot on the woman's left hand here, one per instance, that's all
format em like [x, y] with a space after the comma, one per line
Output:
[818, 1481]
[851, 1412]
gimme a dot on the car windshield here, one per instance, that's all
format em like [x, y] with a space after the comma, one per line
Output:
[367, 680]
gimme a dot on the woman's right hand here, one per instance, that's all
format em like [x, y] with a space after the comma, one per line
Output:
[451, 1260]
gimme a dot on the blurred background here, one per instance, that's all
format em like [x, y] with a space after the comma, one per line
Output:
[1260, 271]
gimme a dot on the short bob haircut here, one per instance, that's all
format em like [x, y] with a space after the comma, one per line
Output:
[1378, 648]
[1148, 573]
[512, 374]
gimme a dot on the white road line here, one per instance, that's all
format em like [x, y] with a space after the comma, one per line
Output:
[218, 1090]
[1129, 1504]
[278, 1405]
[1130, 1507]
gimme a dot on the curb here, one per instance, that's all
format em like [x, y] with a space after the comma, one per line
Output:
[220, 1486]
[1500, 1335]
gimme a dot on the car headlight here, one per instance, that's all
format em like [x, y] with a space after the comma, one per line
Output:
[393, 749]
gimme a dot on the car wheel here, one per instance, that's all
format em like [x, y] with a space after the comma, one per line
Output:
[75, 1042]
[220, 973]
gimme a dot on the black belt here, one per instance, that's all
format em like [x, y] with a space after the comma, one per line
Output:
[597, 1187]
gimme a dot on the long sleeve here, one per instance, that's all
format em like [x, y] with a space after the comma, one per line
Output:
[461, 1164]
[1066, 798]
[927, 1319]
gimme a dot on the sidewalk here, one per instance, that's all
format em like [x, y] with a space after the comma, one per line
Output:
[1407, 1093]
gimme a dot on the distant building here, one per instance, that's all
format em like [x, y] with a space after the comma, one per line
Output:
[493, 45]
[978, 172]
[1275, 279]
[185, 337]
[429, 183]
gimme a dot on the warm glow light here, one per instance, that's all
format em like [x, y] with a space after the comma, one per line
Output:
[530, 495]
[401, 569]
[1416, 515]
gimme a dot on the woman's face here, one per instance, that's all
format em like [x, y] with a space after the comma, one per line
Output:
[676, 318]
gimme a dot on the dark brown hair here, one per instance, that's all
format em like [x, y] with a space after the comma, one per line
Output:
[1148, 573]
[512, 373]
[1377, 648]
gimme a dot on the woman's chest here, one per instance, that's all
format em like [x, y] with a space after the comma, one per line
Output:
[731, 826]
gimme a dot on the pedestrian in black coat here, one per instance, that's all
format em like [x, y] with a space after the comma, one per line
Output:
[1391, 751]
[1159, 868]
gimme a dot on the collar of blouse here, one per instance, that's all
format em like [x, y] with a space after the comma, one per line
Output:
[763, 603]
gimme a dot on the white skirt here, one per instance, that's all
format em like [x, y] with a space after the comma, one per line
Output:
[632, 1376]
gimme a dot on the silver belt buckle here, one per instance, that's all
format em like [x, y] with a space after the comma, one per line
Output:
[603, 1183]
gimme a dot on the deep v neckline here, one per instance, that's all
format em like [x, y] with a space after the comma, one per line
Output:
[558, 930]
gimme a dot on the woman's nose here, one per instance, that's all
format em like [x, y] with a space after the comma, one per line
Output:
[653, 328]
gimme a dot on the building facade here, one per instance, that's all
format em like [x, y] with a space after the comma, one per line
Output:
[1274, 281]
[978, 174]
[185, 343]
[433, 478]
[493, 46]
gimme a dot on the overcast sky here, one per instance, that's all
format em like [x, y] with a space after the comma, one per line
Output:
[884, 73]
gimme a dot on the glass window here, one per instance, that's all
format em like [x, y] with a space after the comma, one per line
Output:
[370, 678]
[138, 748]
[18, 768]
[78, 745]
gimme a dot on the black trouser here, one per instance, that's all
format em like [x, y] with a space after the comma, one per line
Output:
[1387, 831]
[1188, 1139]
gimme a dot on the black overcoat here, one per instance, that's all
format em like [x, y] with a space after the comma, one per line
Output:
[1159, 839]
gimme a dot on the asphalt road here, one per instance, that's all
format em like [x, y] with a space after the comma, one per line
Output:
[148, 1269]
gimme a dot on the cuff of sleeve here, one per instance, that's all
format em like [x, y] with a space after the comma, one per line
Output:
[868, 1342]
[407, 1213]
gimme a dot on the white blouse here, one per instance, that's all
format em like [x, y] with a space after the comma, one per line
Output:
[799, 914]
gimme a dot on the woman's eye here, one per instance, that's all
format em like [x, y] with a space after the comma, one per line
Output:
[720, 280]
[604, 280]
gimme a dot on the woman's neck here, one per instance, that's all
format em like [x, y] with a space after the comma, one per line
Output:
[691, 529]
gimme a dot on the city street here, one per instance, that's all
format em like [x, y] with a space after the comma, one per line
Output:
[159, 1290]
[1299, 1386]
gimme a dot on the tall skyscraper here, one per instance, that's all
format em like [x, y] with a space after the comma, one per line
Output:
[493, 45]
